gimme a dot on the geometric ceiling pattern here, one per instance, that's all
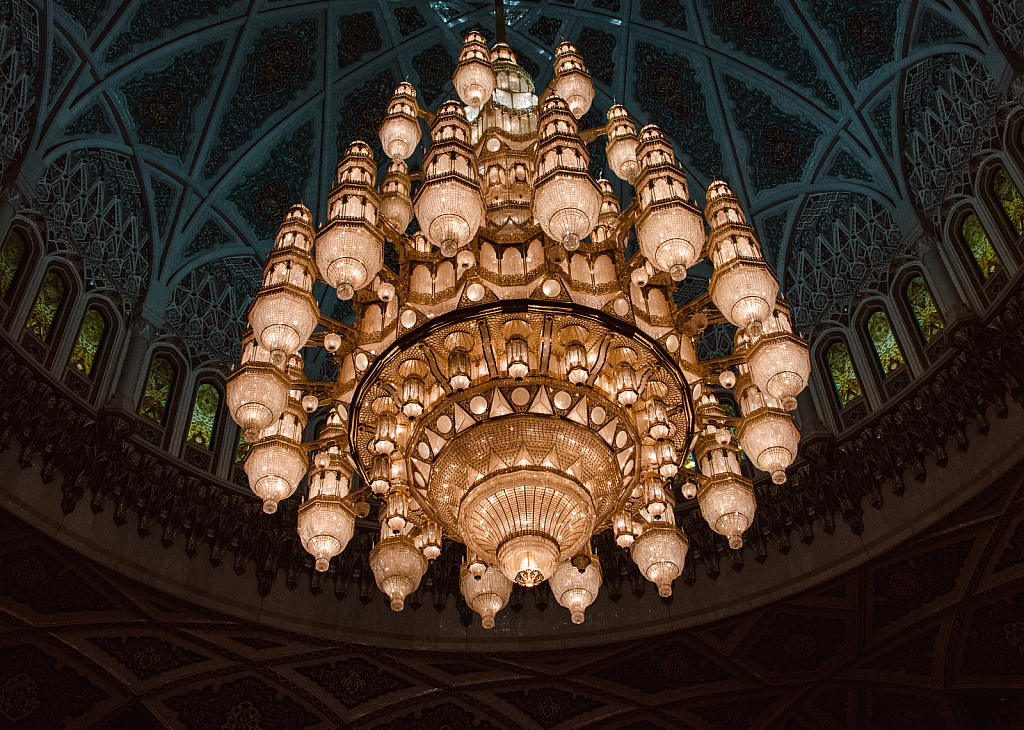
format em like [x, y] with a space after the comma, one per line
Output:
[218, 114]
[929, 636]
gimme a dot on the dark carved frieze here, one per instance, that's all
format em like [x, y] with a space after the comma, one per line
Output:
[354, 681]
[546, 29]
[550, 706]
[210, 236]
[759, 28]
[98, 458]
[1013, 553]
[736, 714]
[435, 67]
[780, 144]
[154, 17]
[362, 111]
[279, 67]
[669, 93]
[847, 166]
[163, 196]
[445, 716]
[161, 103]
[864, 30]
[665, 668]
[901, 710]
[257, 643]
[37, 579]
[798, 643]
[265, 196]
[87, 13]
[89, 123]
[35, 694]
[995, 642]
[913, 656]
[597, 49]
[909, 584]
[934, 29]
[359, 35]
[146, 656]
[881, 117]
[670, 12]
[409, 20]
[248, 702]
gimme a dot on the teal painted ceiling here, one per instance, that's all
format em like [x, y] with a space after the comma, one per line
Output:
[188, 126]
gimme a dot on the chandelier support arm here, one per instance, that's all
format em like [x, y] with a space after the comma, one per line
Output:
[435, 370]
[499, 20]
[487, 344]
[602, 355]
[425, 114]
[589, 135]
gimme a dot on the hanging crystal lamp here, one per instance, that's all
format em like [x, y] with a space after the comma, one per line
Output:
[512, 382]
[257, 390]
[576, 589]
[448, 205]
[743, 286]
[349, 248]
[474, 77]
[566, 199]
[669, 227]
[486, 591]
[284, 313]
[572, 82]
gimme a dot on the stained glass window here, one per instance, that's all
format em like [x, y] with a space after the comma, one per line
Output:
[11, 256]
[242, 450]
[844, 377]
[928, 317]
[204, 416]
[730, 409]
[1009, 197]
[884, 341]
[158, 389]
[981, 248]
[47, 304]
[87, 346]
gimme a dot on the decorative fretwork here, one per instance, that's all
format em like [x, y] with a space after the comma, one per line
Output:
[208, 308]
[835, 479]
[90, 199]
[838, 239]
[19, 49]
[1008, 20]
[949, 114]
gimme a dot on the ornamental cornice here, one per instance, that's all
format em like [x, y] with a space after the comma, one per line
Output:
[101, 457]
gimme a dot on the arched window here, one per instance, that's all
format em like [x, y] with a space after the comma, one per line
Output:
[1009, 197]
[844, 377]
[158, 389]
[927, 315]
[981, 248]
[242, 449]
[89, 341]
[11, 257]
[732, 410]
[48, 303]
[204, 416]
[884, 341]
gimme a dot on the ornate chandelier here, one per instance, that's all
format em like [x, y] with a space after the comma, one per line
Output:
[520, 386]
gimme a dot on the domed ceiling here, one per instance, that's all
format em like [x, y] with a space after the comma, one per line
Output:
[172, 135]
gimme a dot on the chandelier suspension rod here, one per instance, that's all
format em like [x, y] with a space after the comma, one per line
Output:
[499, 20]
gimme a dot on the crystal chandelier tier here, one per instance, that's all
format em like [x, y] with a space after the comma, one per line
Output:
[515, 383]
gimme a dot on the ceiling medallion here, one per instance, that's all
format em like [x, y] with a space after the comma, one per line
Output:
[520, 385]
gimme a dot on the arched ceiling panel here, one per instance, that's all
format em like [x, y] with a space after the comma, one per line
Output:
[230, 111]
